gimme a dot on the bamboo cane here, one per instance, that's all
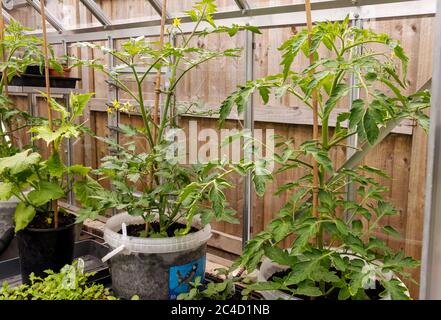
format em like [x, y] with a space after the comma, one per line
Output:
[48, 93]
[158, 74]
[315, 130]
[157, 96]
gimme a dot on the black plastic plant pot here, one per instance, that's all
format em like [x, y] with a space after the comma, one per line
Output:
[43, 249]
[154, 269]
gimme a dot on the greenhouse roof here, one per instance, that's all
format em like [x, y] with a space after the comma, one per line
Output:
[95, 20]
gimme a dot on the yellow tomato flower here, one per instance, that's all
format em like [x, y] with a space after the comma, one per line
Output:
[176, 22]
[109, 110]
[116, 104]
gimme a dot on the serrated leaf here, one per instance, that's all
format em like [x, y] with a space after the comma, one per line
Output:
[79, 170]
[54, 165]
[391, 231]
[23, 216]
[306, 289]
[339, 92]
[19, 162]
[264, 93]
[396, 290]
[341, 226]
[370, 127]
[6, 191]
[45, 192]
[279, 255]
[78, 103]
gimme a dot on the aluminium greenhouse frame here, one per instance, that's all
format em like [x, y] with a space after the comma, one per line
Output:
[286, 15]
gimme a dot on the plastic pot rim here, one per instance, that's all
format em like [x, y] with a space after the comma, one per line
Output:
[151, 245]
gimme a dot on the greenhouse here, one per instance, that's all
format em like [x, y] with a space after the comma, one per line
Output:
[220, 150]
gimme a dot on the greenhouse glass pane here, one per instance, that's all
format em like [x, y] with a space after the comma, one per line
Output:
[71, 13]
[272, 3]
[122, 11]
[177, 7]
[26, 15]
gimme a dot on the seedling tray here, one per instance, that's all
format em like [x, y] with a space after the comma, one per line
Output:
[90, 251]
[36, 80]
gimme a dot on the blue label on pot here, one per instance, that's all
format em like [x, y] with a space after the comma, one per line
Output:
[180, 277]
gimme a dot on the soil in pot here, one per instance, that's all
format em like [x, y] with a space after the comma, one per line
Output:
[154, 268]
[135, 230]
[41, 247]
[373, 294]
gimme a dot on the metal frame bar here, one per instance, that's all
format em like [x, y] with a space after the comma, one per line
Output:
[243, 5]
[113, 118]
[53, 21]
[248, 125]
[69, 146]
[157, 5]
[97, 12]
[354, 95]
[259, 17]
[6, 16]
[430, 282]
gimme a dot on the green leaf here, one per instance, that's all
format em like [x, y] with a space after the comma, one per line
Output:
[259, 182]
[305, 233]
[357, 225]
[23, 216]
[264, 93]
[217, 199]
[307, 289]
[396, 290]
[45, 192]
[6, 191]
[357, 112]
[391, 231]
[340, 91]
[341, 226]
[281, 228]
[262, 286]
[79, 170]
[386, 208]
[19, 162]
[291, 48]
[54, 165]
[44, 132]
[279, 255]
[85, 189]
[225, 109]
[338, 262]
[56, 106]
[78, 103]
[187, 191]
[370, 127]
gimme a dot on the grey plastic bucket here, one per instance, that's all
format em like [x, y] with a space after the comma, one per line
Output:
[7, 210]
[154, 269]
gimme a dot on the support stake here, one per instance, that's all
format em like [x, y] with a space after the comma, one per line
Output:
[48, 93]
[315, 130]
